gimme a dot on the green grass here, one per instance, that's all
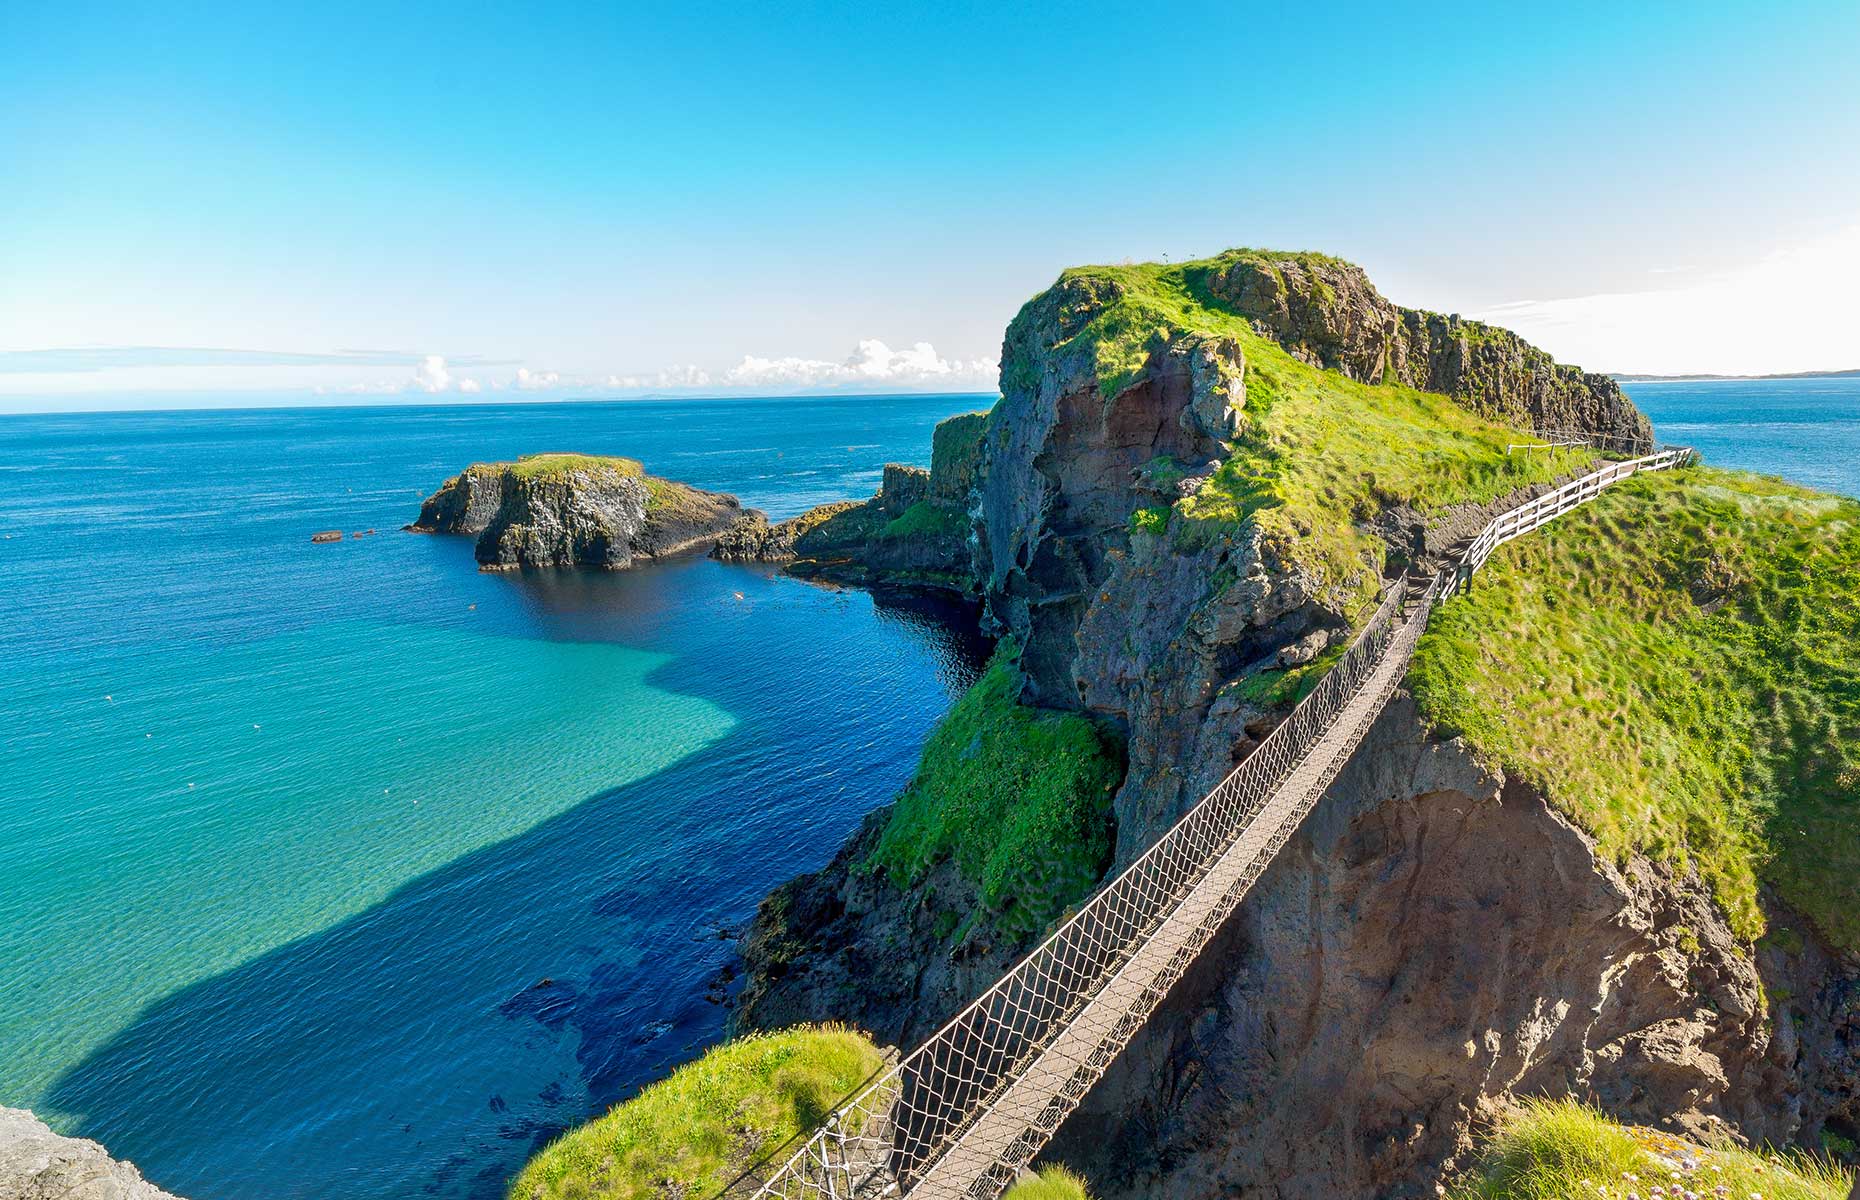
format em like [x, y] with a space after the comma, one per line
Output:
[1019, 798]
[560, 466]
[1318, 453]
[1280, 687]
[1150, 520]
[691, 1133]
[925, 519]
[1051, 1183]
[1563, 1151]
[1677, 667]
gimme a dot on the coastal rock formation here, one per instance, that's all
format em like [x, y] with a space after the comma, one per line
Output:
[1327, 312]
[37, 1164]
[1437, 936]
[575, 510]
[913, 533]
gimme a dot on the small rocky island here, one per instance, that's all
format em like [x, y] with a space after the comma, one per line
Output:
[576, 510]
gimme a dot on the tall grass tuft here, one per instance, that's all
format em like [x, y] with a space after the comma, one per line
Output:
[1562, 1150]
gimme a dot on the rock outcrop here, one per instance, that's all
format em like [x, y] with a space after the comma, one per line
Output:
[1326, 311]
[572, 510]
[914, 533]
[37, 1164]
[1136, 629]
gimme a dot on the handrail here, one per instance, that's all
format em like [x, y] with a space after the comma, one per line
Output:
[895, 1130]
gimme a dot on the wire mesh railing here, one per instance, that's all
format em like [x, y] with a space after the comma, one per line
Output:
[979, 1098]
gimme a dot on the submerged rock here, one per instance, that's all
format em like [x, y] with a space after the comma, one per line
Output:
[37, 1164]
[576, 510]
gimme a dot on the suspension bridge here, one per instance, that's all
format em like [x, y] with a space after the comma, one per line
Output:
[960, 1116]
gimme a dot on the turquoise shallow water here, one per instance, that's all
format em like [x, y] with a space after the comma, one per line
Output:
[292, 836]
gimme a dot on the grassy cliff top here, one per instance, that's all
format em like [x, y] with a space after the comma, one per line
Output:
[694, 1131]
[561, 466]
[664, 497]
[1564, 1151]
[1677, 666]
[1318, 453]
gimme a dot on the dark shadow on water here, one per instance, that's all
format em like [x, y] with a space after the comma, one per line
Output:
[427, 1045]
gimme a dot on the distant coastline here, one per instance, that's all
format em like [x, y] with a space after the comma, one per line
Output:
[1628, 377]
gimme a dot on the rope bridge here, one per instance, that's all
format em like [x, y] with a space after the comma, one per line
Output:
[962, 1114]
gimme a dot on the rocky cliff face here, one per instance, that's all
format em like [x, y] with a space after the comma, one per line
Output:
[914, 533]
[37, 1164]
[1138, 629]
[575, 511]
[1327, 312]
[1436, 937]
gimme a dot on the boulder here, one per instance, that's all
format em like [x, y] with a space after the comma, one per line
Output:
[37, 1164]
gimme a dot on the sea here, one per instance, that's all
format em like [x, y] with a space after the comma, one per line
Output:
[346, 870]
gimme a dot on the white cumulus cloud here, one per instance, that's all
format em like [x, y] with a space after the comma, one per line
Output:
[872, 362]
[531, 381]
[431, 375]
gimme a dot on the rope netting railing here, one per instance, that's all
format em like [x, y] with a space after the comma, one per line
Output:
[976, 1101]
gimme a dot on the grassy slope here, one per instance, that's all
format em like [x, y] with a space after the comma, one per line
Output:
[1677, 666]
[1563, 1151]
[1318, 452]
[1052, 1183]
[694, 1131]
[1019, 798]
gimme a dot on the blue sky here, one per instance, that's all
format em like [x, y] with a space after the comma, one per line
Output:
[203, 199]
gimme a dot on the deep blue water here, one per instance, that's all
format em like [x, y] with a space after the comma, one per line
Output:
[1806, 430]
[291, 834]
